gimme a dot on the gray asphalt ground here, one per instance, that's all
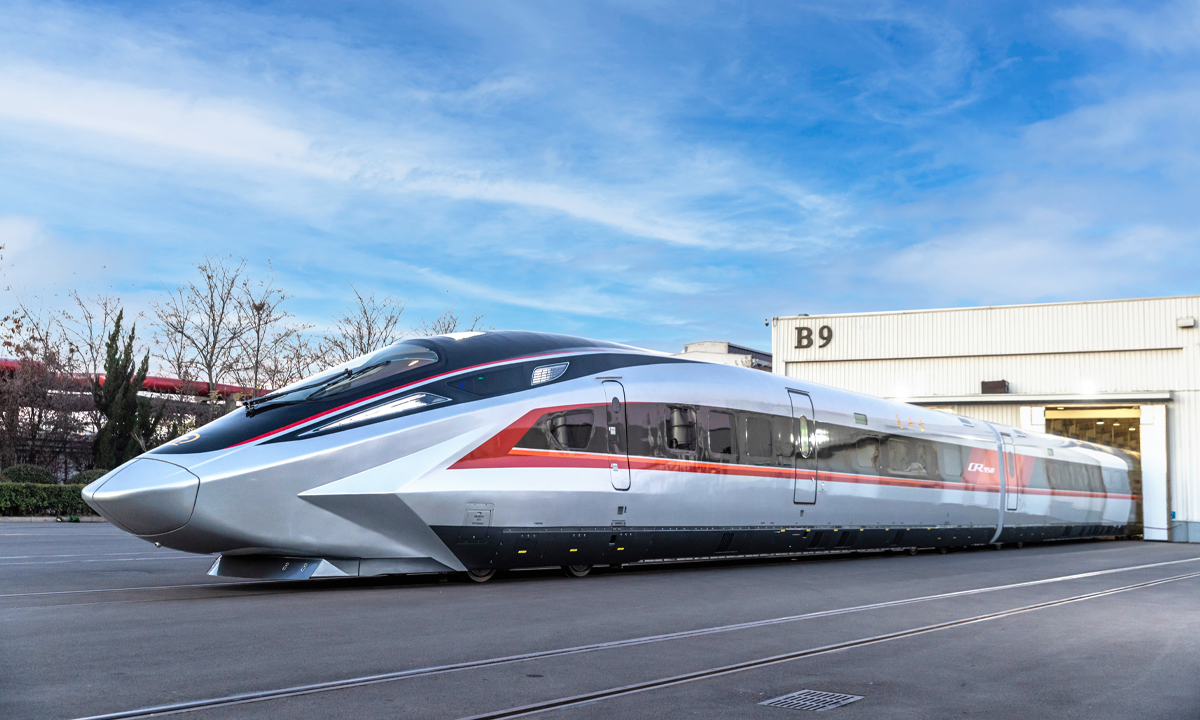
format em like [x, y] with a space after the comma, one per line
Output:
[94, 621]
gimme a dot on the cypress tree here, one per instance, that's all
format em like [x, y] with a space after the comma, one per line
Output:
[129, 422]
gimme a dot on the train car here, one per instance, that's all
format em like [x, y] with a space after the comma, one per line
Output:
[478, 452]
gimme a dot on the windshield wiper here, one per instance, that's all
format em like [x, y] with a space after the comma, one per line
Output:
[346, 379]
[276, 399]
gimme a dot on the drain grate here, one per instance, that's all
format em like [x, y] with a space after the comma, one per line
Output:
[811, 700]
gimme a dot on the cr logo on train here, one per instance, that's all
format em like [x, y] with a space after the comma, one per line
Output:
[980, 467]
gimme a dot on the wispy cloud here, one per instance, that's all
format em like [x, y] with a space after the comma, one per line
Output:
[645, 172]
[198, 125]
[1172, 27]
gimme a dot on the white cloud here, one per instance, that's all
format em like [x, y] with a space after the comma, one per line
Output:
[1172, 28]
[190, 123]
[134, 124]
[591, 205]
[1039, 257]
[566, 160]
[1127, 132]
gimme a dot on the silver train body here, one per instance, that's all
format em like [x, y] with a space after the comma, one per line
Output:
[483, 452]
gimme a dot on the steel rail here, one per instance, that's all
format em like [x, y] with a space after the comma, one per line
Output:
[309, 689]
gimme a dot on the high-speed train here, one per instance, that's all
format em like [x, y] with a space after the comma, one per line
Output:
[477, 452]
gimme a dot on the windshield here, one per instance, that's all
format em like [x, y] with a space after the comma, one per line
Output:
[392, 360]
[385, 363]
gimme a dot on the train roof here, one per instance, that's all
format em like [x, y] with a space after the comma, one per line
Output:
[470, 349]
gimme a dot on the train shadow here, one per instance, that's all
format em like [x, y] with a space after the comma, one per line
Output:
[542, 574]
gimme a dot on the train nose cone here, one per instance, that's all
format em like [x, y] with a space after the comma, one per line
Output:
[146, 497]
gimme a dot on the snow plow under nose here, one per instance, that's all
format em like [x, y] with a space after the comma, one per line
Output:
[146, 497]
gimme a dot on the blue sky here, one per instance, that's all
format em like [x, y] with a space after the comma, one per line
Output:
[646, 172]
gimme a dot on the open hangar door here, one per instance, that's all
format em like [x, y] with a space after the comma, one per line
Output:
[1140, 431]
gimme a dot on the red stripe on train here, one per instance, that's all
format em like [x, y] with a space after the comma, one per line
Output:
[500, 451]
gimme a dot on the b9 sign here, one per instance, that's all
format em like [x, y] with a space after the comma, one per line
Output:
[804, 337]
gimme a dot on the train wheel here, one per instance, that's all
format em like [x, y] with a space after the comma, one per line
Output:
[912, 551]
[943, 550]
[481, 576]
[577, 571]
[1020, 545]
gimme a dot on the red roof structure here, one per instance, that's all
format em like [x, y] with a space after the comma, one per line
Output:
[171, 386]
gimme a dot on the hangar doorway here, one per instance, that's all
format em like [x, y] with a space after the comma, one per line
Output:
[1117, 427]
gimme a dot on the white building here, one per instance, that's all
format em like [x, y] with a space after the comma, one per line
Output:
[726, 353]
[1123, 372]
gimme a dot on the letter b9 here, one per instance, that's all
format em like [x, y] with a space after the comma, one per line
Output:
[804, 337]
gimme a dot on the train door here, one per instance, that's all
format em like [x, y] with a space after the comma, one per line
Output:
[803, 455]
[617, 431]
[1011, 495]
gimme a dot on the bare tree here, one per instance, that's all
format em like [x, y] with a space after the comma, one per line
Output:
[450, 321]
[173, 350]
[368, 326]
[88, 327]
[269, 345]
[40, 398]
[200, 327]
[294, 358]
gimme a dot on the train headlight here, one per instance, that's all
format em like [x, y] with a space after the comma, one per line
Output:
[546, 373]
[408, 403]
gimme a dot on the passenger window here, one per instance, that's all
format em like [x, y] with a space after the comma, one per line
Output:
[496, 382]
[927, 458]
[1115, 480]
[866, 454]
[904, 457]
[644, 430]
[1054, 475]
[681, 429]
[572, 430]
[950, 459]
[758, 439]
[805, 440]
[720, 434]
[1037, 476]
[785, 441]
[1082, 477]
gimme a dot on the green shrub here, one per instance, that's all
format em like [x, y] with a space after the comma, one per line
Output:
[30, 474]
[84, 477]
[26, 499]
[4, 478]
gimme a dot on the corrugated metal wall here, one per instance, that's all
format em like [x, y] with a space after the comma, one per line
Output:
[1075, 373]
[1183, 426]
[1123, 346]
[1014, 330]
[1004, 414]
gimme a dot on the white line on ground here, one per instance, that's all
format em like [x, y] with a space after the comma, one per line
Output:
[262, 695]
